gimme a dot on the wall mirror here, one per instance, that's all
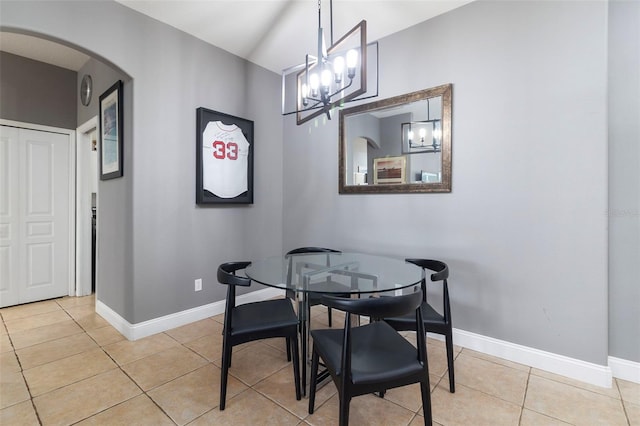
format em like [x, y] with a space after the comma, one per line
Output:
[400, 144]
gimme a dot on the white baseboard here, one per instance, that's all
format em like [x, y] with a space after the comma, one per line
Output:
[158, 325]
[599, 375]
[625, 370]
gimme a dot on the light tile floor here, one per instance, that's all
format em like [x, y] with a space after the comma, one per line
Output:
[60, 363]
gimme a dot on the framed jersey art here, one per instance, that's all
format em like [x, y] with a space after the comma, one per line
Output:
[224, 158]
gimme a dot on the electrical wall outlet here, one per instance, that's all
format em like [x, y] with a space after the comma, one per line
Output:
[199, 284]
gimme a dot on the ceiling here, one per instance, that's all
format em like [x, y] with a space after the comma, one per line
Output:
[42, 50]
[275, 34]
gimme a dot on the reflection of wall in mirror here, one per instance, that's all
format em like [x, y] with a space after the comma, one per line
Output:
[361, 130]
[435, 108]
[359, 155]
[430, 162]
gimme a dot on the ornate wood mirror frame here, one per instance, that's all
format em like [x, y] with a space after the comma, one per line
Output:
[380, 153]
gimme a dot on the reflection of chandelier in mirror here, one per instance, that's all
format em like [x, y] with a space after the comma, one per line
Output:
[436, 133]
[322, 84]
[422, 132]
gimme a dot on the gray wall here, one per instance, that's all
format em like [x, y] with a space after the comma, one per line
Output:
[35, 92]
[624, 180]
[523, 229]
[158, 240]
[114, 271]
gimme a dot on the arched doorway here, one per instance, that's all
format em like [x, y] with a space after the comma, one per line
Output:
[39, 50]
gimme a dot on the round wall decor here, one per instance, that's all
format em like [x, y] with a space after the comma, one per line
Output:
[86, 89]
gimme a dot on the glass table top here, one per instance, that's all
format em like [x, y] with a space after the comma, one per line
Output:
[335, 273]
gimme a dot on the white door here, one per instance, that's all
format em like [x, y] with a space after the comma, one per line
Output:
[34, 215]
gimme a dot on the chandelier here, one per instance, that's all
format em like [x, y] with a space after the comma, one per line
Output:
[336, 75]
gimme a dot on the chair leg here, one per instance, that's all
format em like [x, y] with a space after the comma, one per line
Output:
[314, 381]
[345, 400]
[224, 374]
[449, 344]
[426, 401]
[288, 349]
[305, 326]
[303, 344]
[296, 364]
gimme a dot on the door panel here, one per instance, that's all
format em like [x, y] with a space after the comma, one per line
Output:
[38, 216]
[9, 246]
[39, 265]
[39, 174]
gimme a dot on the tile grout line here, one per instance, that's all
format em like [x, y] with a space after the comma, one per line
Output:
[624, 405]
[524, 398]
[22, 374]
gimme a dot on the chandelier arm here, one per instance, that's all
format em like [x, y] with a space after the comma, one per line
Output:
[341, 89]
[318, 104]
[328, 97]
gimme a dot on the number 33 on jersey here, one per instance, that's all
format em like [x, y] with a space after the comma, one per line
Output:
[225, 151]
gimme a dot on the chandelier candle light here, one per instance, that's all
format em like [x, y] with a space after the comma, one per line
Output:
[336, 75]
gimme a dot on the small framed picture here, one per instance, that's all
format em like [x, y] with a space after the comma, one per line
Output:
[110, 124]
[389, 170]
[224, 158]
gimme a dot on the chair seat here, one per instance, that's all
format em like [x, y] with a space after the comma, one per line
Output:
[408, 322]
[379, 353]
[265, 315]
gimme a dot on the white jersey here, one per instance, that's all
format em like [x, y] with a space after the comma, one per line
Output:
[225, 152]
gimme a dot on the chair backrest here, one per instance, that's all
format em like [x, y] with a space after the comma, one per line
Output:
[376, 307]
[304, 250]
[440, 273]
[439, 268]
[379, 308]
[227, 275]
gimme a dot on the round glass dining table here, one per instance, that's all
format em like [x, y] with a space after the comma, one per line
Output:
[326, 273]
[335, 273]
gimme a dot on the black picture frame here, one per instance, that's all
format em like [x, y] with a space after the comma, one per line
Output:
[110, 125]
[224, 158]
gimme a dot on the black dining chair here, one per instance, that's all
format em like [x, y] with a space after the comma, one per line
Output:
[313, 298]
[254, 321]
[373, 357]
[434, 322]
